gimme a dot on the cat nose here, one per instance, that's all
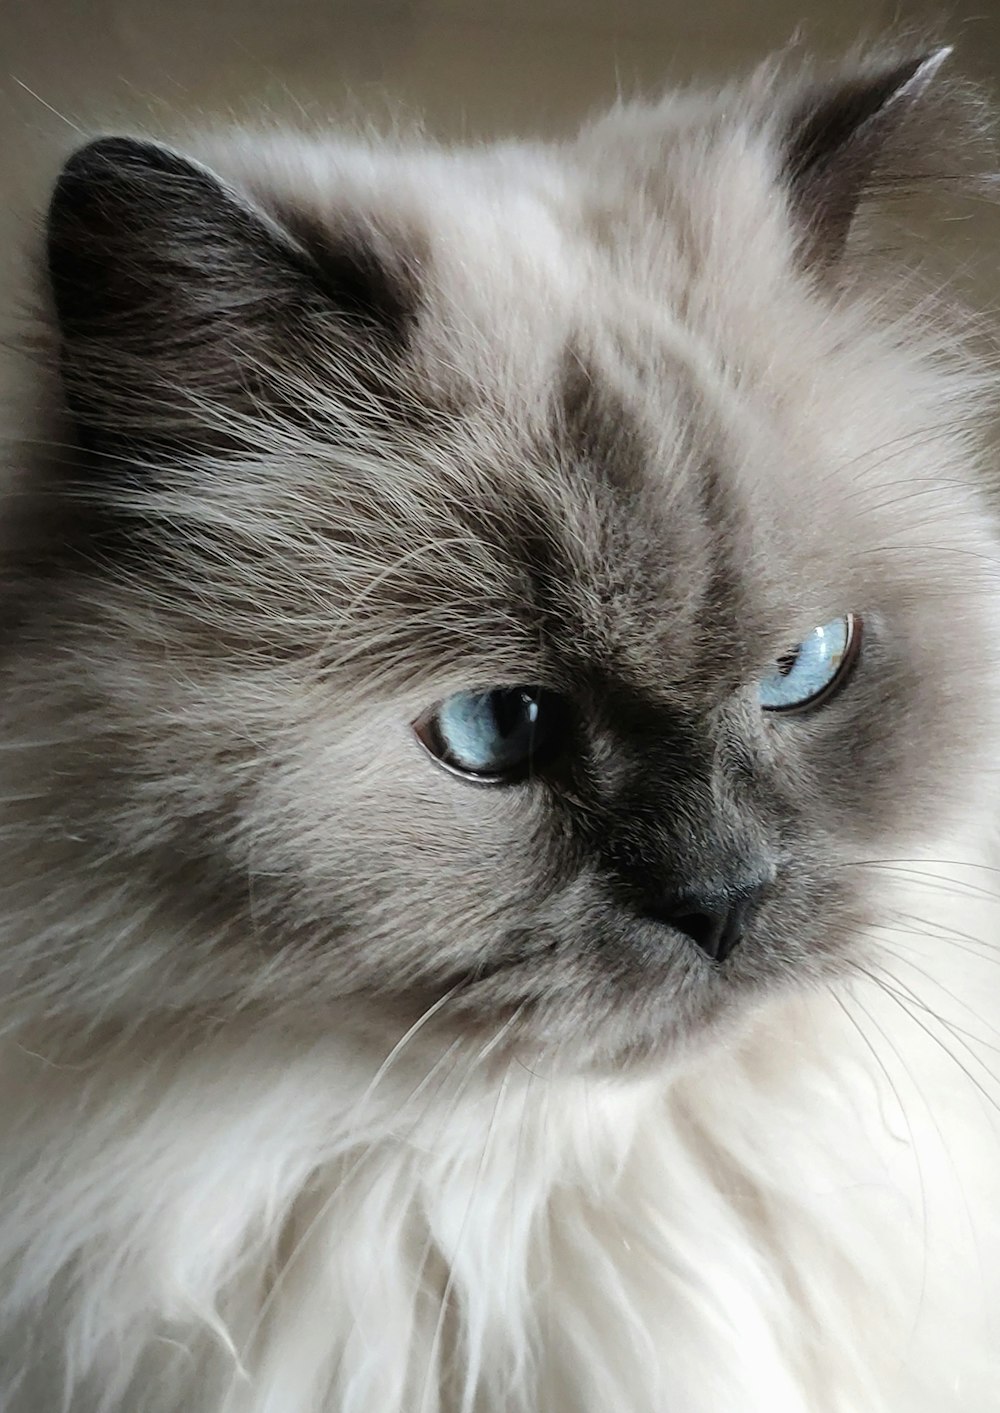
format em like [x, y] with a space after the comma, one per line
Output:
[714, 918]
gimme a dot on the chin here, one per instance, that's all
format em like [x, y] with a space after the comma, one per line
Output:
[746, 1211]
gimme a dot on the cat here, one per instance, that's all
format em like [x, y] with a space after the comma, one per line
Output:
[500, 708]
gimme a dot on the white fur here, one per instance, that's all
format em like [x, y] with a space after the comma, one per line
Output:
[806, 1219]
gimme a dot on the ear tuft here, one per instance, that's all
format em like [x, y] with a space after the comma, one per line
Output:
[132, 224]
[181, 301]
[864, 133]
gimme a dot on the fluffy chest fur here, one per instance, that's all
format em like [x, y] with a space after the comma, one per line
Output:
[801, 1220]
[500, 711]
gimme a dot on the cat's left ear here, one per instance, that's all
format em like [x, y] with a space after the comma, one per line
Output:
[857, 136]
[185, 307]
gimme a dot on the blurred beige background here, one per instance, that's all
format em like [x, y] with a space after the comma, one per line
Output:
[470, 68]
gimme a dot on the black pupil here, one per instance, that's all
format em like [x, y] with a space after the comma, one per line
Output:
[515, 712]
[499, 735]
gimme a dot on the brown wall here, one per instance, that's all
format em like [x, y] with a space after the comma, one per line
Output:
[472, 67]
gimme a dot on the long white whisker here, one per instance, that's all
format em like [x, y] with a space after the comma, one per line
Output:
[282, 1275]
[914, 1146]
[935, 981]
[900, 1001]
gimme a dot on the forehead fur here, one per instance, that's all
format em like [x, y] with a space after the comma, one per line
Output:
[640, 384]
[623, 408]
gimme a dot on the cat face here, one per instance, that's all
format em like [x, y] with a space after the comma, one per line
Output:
[530, 584]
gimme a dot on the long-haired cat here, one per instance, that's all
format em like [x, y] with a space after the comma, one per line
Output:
[500, 711]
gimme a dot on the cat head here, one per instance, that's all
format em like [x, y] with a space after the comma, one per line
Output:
[527, 582]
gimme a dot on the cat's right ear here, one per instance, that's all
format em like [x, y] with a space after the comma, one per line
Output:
[884, 129]
[183, 305]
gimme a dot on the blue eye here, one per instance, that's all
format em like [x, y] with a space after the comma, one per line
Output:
[493, 737]
[815, 670]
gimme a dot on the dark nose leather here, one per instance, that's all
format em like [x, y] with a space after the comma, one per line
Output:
[714, 919]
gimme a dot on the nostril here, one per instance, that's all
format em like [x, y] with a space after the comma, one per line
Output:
[702, 928]
[715, 933]
[713, 918]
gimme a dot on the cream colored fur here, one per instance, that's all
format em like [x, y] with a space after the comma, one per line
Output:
[805, 1219]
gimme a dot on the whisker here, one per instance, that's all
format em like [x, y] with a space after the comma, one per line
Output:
[933, 881]
[472, 1370]
[54, 111]
[484, 1052]
[950, 1025]
[900, 1001]
[914, 1146]
[300, 1244]
[916, 927]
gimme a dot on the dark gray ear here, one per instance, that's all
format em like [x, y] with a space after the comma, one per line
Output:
[179, 300]
[851, 137]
